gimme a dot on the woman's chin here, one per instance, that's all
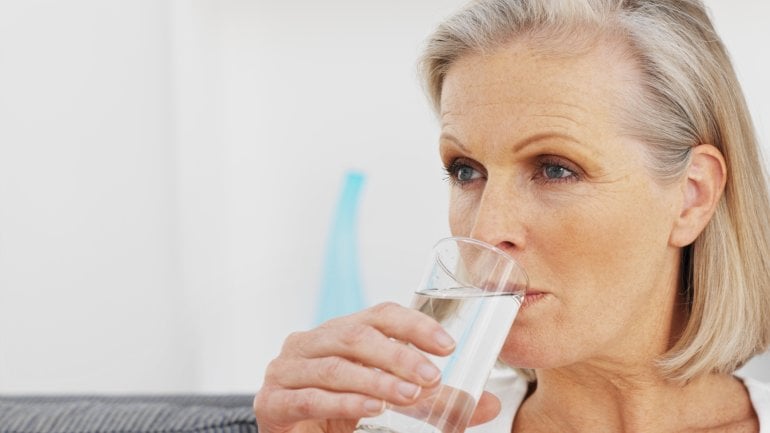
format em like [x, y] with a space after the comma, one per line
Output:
[535, 350]
[518, 355]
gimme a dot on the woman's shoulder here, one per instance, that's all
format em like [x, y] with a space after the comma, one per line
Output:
[759, 393]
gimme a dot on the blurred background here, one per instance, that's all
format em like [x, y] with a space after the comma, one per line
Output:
[169, 172]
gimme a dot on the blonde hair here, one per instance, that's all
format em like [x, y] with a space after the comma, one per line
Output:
[689, 95]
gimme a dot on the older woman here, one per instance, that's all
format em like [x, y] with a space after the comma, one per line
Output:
[606, 145]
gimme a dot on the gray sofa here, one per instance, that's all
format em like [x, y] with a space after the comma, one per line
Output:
[127, 414]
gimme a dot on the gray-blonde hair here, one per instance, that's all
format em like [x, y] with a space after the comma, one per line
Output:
[689, 95]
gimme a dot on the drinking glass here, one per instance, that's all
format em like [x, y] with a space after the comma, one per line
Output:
[474, 290]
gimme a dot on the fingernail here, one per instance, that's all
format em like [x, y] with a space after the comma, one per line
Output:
[408, 390]
[428, 372]
[374, 407]
[444, 340]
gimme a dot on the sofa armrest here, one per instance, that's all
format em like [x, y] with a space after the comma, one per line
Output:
[127, 414]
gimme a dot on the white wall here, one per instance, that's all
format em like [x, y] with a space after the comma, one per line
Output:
[168, 171]
[89, 283]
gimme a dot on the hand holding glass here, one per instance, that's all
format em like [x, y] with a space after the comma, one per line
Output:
[474, 290]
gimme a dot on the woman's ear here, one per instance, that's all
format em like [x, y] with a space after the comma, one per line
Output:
[702, 189]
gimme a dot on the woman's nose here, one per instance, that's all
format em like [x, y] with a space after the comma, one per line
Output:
[498, 219]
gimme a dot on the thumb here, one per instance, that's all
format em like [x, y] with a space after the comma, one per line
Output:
[486, 410]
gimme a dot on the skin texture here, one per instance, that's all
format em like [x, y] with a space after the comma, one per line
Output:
[539, 166]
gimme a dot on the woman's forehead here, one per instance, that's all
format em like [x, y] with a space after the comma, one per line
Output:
[518, 82]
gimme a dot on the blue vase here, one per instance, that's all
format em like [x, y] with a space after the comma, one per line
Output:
[341, 291]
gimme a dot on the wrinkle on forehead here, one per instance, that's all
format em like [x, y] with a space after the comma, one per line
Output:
[546, 107]
[517, 118]
[565, 81]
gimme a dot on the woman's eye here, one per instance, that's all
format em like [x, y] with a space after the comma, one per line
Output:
[461, 173]
[556, 172]
[466, 173]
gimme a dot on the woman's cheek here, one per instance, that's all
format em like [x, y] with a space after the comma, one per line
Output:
[462, 212]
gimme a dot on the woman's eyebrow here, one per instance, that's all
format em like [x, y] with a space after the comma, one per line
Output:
[519, 145]
[455, 140]
[542, 136]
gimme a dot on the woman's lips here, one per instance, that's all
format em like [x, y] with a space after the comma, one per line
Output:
[532, 297]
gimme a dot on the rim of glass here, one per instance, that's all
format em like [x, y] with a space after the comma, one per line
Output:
[486, 246]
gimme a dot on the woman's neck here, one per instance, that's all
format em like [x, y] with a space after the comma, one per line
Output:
[594, 399]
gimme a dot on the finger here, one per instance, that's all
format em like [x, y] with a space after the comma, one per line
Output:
[394, 321]
[447, 406]
[412, 326]
[338, 374]
[285, 407]
[355, 338]
[486, 410]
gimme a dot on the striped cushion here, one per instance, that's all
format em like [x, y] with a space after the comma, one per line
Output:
[127, 414]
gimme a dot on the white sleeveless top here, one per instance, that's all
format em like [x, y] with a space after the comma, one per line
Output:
[511, 390]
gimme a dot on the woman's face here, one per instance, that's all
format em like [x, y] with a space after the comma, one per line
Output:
[539, 167]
